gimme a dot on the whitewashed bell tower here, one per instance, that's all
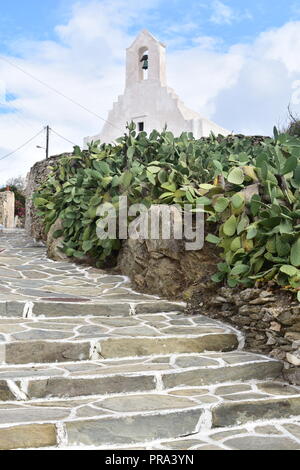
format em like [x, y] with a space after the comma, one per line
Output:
[148, 101]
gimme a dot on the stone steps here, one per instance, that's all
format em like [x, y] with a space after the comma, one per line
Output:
[158, 373]
[51, 339]
[21, 352]
[110, 306]
[85, 361]
[106, 421]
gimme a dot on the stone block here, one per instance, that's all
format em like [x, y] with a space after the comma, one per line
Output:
[202, 377]
[125, 347]
[132, 429]
[46, 352]
[73, 387]
[65, 309]
[5, 393]
[30, 436]
[257, 443]
[230, 414]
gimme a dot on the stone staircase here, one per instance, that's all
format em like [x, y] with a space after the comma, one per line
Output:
[114, 369]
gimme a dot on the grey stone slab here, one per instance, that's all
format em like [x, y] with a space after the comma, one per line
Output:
[206, 399]
[230, 389]
[294, 429]
[36, 334]
[122, 369]
[267, 443]
[183, 444]
[115, 322]
[133, 429]
[37, 293]
[246, 396]
[52, 326]
[91, 330]
[220, 436]
[230, 414]
[267, 430]
[110, 297]
[202, 320]
[9, 273]
[8, 329]
[28, 415]
[83, 366]
[30, 436]
[158, 306]
[202, 376]
[5, 393]
[135, 331]
[67, 404]
[184, 322]
[14, 309]
[30, 372]
[152, 318]
[9, 406]
[75, 387]
[161, 360]
[34, 274]
[278, 389]
[242, 357]
[124, 347]
[29, 283]
[146, 403]
[195, 361]
[109, 279]
[189, 392]
[61, 309]
[190, 330]
[46, 352]
[89, 412]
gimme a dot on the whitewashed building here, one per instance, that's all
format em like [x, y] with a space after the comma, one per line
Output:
[147, 99]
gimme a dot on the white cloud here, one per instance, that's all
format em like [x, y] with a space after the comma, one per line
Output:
[224, 14]
[246, 88]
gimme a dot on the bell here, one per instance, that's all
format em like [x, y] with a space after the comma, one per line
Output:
[145, 62]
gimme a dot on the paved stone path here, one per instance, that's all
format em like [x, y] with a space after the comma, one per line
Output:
[86, 361]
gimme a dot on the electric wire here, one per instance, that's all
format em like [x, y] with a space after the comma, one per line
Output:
[21, 146]
[56, 91]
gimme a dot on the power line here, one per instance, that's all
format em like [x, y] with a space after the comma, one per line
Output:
[56, 91]
[22, 146]
[62, 137]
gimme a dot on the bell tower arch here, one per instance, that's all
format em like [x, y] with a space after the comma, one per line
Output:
[146, 60]
[148, 101]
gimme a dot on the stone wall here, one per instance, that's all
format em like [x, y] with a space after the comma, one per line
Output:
[35, 178]
[164, 267]
[269, 319]
[7, 209]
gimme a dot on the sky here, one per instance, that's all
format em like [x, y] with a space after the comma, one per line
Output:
[235, 62]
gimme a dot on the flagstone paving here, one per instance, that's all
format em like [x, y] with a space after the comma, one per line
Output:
[87, 362]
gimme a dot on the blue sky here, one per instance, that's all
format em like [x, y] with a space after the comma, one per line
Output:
[38, 19]
[236, 62]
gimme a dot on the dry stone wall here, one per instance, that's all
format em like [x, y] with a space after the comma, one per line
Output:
[269, 319]
[35, 178]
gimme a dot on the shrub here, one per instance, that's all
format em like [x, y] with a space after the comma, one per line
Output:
[249, 187]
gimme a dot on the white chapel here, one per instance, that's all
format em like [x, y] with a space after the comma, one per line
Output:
[147, 99]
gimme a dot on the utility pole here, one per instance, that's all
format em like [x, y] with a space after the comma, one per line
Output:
[47, 141]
